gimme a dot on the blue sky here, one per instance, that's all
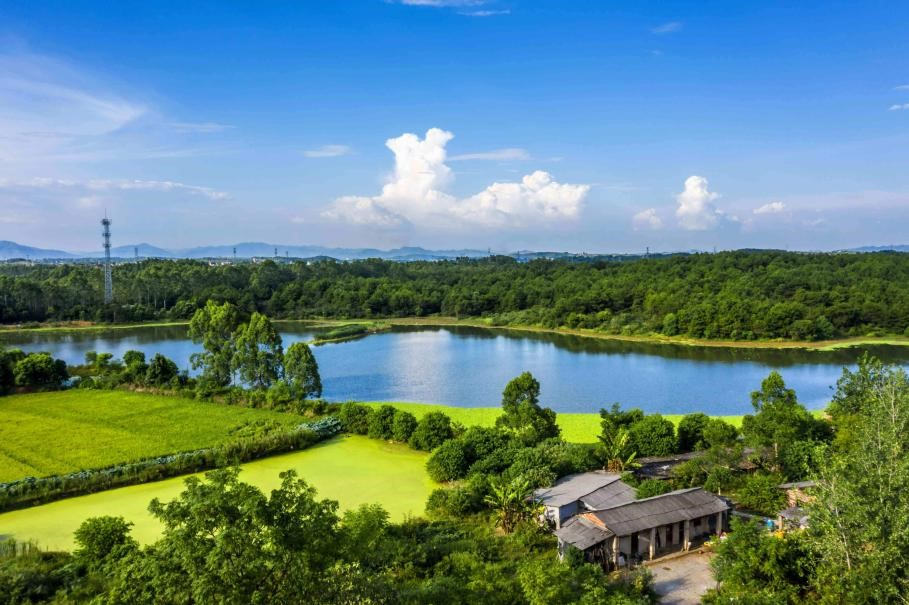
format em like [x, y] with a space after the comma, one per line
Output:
[597, 126]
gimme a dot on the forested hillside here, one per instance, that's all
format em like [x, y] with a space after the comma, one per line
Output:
[737, 295]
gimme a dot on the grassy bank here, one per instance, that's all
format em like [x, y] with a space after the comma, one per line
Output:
[378, 324]
[64, 431]
[820, 345]
[576, 427]
[71, 326]
[352, 470]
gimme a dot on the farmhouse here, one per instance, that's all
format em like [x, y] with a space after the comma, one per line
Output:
[582, 492]
[645, 528]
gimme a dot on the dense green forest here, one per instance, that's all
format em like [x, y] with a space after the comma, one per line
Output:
[734, 295]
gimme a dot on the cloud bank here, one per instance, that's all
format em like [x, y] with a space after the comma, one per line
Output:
[415, 193]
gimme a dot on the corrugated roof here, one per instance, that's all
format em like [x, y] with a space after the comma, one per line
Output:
[673, 507]
[582, 534]
[573, 487]
[614, 494]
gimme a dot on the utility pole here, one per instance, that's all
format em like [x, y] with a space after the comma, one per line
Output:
[108, 278]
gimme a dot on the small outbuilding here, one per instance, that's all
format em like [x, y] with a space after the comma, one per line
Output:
[582, 492]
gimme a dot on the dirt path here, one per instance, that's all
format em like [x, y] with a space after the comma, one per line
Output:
[682, 580]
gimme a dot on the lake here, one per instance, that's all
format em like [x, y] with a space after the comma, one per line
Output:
[469, 367]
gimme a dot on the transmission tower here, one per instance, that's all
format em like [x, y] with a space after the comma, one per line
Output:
[108, 279]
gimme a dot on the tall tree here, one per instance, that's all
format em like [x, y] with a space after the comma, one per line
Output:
[258, 354]
[780, 422]
[213, 327]
[522, 412]
[301, 371]
[860, 516]
[226, 542]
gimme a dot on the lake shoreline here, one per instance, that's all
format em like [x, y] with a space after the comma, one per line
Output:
[441, 322]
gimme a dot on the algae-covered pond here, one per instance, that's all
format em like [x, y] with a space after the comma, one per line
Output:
[352, 470]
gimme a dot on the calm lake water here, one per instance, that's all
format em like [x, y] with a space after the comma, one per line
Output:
[469, 367]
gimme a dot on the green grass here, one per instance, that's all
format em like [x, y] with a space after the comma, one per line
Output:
[353, 470]
[65, 431]
[578, 428]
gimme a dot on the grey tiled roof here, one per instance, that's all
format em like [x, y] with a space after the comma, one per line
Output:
[572, 488]
[680, 505]
[582, 534]
[614, 494]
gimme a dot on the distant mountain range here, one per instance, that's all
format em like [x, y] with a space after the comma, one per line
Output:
[893, 248]
[12, 250]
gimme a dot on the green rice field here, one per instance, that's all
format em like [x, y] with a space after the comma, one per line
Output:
[63, 431]
[353, 470]
[577, 428]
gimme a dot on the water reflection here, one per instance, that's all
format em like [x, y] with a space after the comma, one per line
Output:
[469, 366]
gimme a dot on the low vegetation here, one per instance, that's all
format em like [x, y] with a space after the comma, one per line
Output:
[575, 427]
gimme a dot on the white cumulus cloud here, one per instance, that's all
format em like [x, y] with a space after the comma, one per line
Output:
[899, 107]
[696, 211]
[771, 208]
[647, 219]
[416, 193]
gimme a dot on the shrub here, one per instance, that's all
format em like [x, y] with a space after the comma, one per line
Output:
[40, 369]
[690, 473]
[691, 432]
[381, 423]
[459, 501]
[760, 493]
[28, 575]
[432, 431]
[719, 479]
[719, 433]
[652, 436]
[100, 537]
[355, 417]
[161, 371]
[450, 461]
[403, 426]
[652, 487]
[278, 395]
